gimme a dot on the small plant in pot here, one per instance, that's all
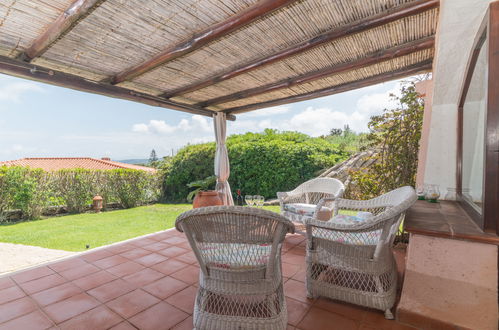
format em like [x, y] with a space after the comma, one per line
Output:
[203, 193]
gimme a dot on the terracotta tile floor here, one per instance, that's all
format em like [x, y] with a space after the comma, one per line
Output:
[150, 283]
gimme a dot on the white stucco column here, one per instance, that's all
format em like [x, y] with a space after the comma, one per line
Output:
[222, 167]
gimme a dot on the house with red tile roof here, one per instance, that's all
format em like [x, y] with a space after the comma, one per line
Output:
[59, 163]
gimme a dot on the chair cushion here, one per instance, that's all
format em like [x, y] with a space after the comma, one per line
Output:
[235, 256]
[346, 219]
[307, 210]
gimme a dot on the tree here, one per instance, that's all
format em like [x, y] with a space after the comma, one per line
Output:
[395, 136]
[153, 158]
[347, 131]
[335, 132]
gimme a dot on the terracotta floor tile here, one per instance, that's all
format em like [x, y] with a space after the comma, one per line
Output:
[377, 318]
[99, 318]
[320, 319]
[188, 258]
[142, 241]
[189, 274]
[165, 287]
[156, 246]
[33, 320]
[184, 325]
[125, 269]
[353, 312]
[111, 290]
[120, 248]
[16, 308]
[135, 253]
[298, 250]
[159, 316]
[6, 282]
[56, 294]
[96, 255]
[143, 277]
[67, 264]
[294, 259]
[296, 290]
[288, 270]
[124, 326]
[32, 274]
[296, 311]
[175, 240]
[186, 245]
[173, 251]
[169, 266]
[163, 235]
[94, 280]
[151, 259]
[110, 261]
[77, 272]
[301, 275]
[43, 283]
[132, 303]
[295, 238]
[68, 308]
[290, 327]
[184, 299]
[9, 294]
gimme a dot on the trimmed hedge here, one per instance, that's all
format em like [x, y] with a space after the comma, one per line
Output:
[33, 190]
[261, 163]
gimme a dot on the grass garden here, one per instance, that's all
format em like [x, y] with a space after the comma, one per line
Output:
[74, 232]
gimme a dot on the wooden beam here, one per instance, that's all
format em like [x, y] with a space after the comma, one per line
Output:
[252, 13]
[386, 17]
[423, 66]
[371, 59]
[62, 25]
[29, 71]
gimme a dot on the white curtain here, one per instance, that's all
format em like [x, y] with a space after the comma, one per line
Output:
[222, 168]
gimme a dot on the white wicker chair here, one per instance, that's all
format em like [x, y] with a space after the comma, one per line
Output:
[311, 199]
[239, 253]
[353, 261]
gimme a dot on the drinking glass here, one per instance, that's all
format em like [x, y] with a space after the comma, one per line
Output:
[259, 200]
[432, 193]
[421, 191]
[249, 200]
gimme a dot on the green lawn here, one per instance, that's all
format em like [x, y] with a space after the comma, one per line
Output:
[74, 232]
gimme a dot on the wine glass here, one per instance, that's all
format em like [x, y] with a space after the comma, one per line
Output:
[420, 191]
[249, 200]
[432, 193]
[260, 200]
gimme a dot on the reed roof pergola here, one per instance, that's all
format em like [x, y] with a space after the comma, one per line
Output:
[205, 56]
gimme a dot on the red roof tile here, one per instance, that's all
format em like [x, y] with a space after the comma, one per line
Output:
[53, 164]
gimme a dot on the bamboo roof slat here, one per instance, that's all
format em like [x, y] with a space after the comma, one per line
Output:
[116, 35]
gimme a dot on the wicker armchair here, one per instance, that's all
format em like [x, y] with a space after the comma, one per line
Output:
[239, 253]
[353, 261]
[311, 199]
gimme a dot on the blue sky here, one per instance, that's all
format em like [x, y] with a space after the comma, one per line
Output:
[39, 120]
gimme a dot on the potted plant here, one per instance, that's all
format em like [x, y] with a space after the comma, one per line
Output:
[203, 193]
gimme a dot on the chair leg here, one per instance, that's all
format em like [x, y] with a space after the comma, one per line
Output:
[389, 314]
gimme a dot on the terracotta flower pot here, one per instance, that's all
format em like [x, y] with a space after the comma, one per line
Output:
[206, 198]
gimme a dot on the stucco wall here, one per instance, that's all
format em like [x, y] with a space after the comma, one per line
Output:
[458, 25]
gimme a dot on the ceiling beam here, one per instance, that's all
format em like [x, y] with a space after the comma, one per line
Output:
[371, 59]
[391, 15]
[29, 71]
[216, 31]
[62, 25]
[423, 66]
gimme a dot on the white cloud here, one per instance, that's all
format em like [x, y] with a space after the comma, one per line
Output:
[372, 104]
[273, 111]
[196, 123]
[12, 91]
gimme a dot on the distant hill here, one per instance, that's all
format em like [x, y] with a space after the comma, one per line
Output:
[134, 161]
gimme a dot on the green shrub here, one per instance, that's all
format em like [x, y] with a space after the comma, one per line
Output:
[133, 187]
[261, 163]
[25, 189]
[76, 188]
